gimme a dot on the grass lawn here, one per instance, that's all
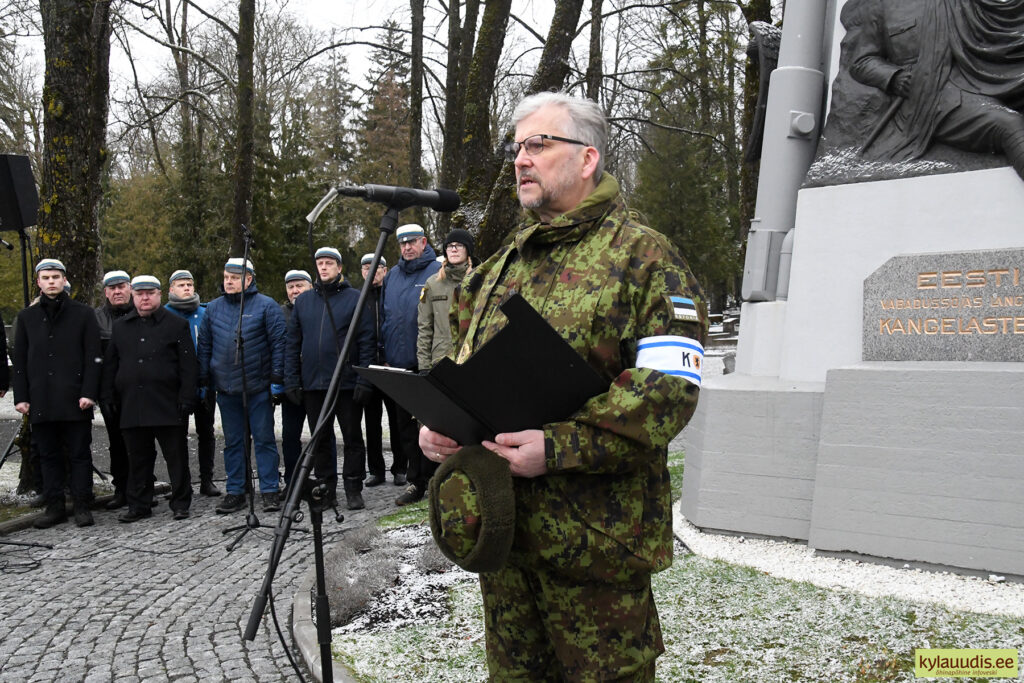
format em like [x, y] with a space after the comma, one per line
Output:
[720, 622]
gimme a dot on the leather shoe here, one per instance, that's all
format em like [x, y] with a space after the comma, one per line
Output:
[271, 502]
[354, 500]
[412, 494]
[401, 479]
[375, 480]
[117, 502]
[231, 503]
[181, 514]
[130, 515]
[208, 489]
[83, 516]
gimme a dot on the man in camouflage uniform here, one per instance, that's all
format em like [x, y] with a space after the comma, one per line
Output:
[593, 507]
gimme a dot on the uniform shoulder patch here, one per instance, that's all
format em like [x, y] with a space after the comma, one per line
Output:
[423, 294]
[683, 308]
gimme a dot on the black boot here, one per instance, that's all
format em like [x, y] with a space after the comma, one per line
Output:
[117, 502]
[208, 489]
[83, 516]
[354, 500]
[54, 514]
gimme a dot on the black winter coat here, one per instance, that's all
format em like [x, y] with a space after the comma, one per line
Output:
[150, 370]
[57, 362]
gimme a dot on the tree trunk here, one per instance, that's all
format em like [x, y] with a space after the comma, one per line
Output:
[76, 37]
[416, 104]
[460, 47]
[481, 165]
[595, 70]
[245, 145]
[502, 212]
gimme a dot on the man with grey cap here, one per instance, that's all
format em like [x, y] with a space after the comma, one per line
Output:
[149, 381]
[243, 381]
[118, 304]
[183, 301]
[373, 403]
[293, 415]
[316, 333]
[57, 365]
[401, 298]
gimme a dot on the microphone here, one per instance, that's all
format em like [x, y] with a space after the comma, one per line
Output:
[404, 197]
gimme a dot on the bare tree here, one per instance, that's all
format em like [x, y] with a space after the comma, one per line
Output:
[502, 208]
[76, 36]
[244, 136]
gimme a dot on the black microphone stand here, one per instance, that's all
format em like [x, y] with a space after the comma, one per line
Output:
[251, 520]
[291, 512]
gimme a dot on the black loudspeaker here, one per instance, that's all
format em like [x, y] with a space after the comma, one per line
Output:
[19, 201]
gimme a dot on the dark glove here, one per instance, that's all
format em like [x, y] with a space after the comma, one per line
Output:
[110, 408]
[277, 393]
[184, 410]
[294, 395]
[362, 394]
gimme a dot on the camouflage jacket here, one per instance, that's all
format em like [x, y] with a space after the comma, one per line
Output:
[606, 284]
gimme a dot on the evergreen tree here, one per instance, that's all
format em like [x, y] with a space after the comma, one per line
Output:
[382, 141]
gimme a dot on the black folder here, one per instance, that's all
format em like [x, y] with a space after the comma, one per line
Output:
[522, 378]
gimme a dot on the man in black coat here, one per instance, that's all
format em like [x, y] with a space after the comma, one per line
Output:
[118, 293]
[57, 366]
[149, 380]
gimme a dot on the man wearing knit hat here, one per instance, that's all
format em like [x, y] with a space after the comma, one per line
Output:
[401, 297]
[316, 333]
[373, 403]
[591, 496]
[243, 381]
[149, 380]
[118, 304]
[57, 365]
[183, 301]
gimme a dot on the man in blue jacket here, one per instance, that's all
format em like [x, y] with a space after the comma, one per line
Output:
[183, 301]
[222, 368]
[316, 332]
[401, 297]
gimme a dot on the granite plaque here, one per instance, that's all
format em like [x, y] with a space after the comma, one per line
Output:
[963, 306]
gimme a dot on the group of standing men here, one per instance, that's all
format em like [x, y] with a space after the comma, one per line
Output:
[149, 366]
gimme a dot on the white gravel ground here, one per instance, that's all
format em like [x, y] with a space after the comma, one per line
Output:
[797, 562]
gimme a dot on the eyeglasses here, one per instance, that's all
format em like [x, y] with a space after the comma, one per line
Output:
[455, 245]
[535, 145]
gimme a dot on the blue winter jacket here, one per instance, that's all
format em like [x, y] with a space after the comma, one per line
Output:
[401, 296]
[194, 318]
[312, 345]
[263, 333]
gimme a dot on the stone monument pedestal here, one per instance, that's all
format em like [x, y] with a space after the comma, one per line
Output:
[826, 448]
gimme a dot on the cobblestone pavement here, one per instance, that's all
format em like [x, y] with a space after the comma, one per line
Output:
[157, 600]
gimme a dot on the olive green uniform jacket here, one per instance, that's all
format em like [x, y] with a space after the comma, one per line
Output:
[603, 281]
[434, 328]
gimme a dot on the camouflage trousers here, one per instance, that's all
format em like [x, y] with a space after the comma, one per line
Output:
[541, 627]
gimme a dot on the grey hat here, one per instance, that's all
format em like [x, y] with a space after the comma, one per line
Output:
[51, 264]
[145, 282]
[235, 265]
[409, 232]
[180, 275]
[368, 259]
[328, 252]
[297, 275]
[115, 277]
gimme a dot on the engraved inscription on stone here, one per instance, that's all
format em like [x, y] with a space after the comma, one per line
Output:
[963, 306]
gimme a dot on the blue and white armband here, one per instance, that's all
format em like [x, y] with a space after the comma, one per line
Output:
[678, 356]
